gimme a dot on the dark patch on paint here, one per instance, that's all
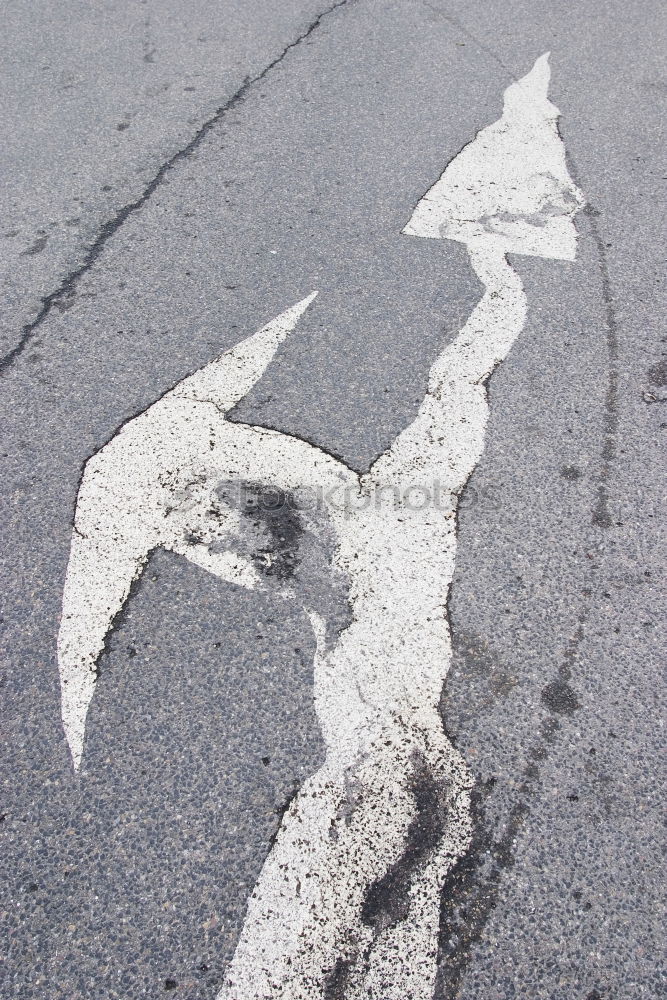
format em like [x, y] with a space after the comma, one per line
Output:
[560, 697]
[570, 472]
[276, 512]
[657, 374]
[336, 981]
[562, 202]
[192, 538]
[280, 812]
[290, 541]
[353, 798]
[387, 901]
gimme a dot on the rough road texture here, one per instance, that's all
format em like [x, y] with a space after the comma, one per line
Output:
[132, 879]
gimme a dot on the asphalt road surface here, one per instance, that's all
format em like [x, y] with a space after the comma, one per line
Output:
[174, 177]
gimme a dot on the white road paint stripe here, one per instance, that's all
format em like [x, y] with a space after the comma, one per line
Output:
[347, 902]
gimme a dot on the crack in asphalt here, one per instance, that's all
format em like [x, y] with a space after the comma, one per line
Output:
[67, 287]
[473, 886]
[601, 515]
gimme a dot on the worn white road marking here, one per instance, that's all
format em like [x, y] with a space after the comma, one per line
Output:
[347, 902]
[510, 189]
[148, 488]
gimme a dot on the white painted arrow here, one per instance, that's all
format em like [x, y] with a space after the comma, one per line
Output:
[154, 485]
[348, 900]
[510, 189]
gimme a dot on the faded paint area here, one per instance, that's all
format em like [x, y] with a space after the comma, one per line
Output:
[347, 904]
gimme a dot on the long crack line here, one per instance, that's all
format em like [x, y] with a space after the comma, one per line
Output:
[108, 229]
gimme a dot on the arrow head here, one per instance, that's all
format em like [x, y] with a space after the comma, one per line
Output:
[509, 189]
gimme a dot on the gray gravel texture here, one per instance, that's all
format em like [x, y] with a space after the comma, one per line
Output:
[131, 879]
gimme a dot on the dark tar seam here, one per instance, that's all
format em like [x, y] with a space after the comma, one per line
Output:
[67, 287]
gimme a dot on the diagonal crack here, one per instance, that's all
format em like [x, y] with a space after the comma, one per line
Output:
[109, 228]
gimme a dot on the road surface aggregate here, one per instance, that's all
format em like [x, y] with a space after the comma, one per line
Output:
[175, 177]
